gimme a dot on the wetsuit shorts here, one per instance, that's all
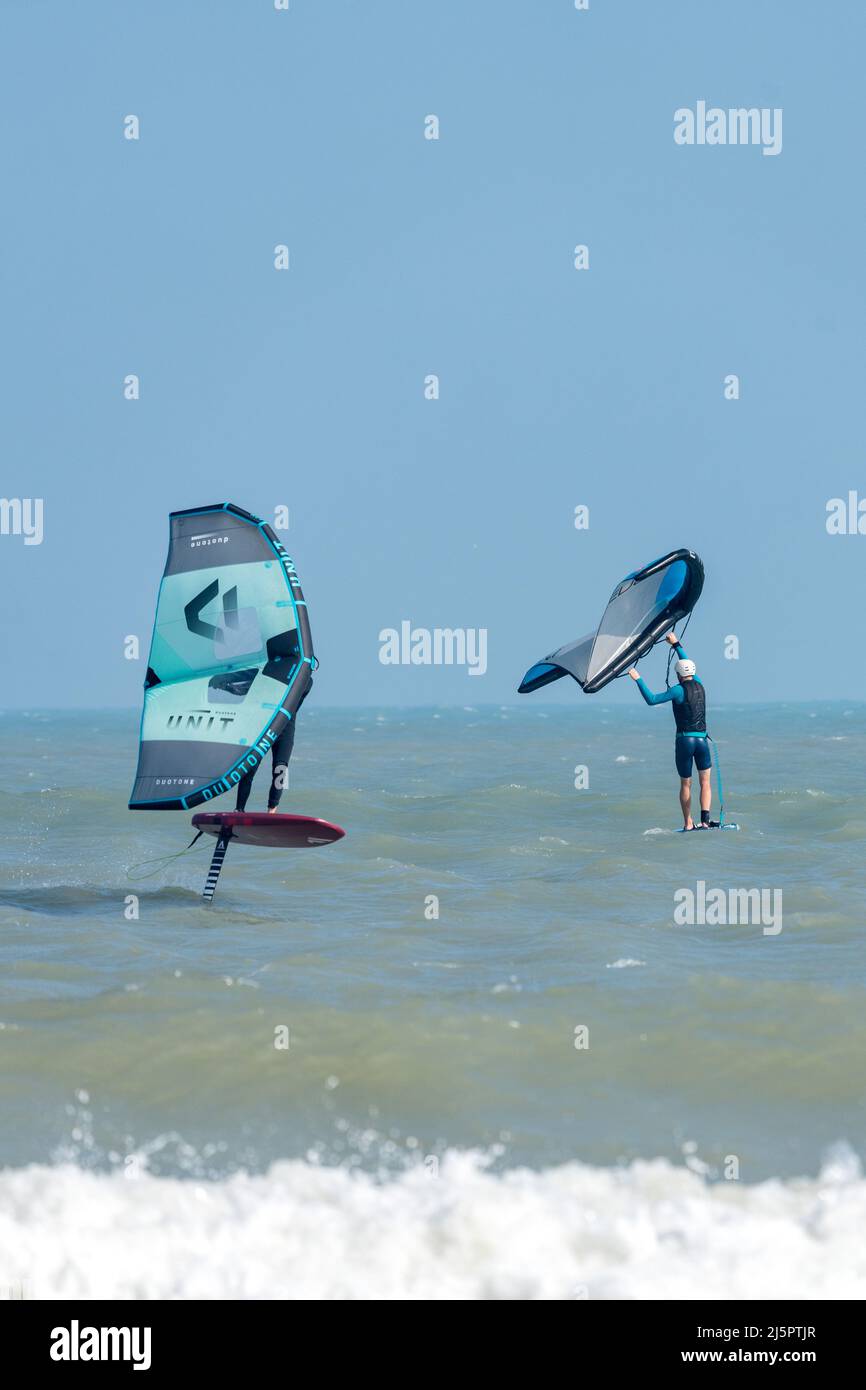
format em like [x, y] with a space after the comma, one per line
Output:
[689, 746]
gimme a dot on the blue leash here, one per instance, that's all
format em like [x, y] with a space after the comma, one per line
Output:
[719, 780]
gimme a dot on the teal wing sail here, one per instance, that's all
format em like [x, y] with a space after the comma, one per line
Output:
[230, 661]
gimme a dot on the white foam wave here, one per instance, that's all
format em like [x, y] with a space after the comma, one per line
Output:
[304, 1231]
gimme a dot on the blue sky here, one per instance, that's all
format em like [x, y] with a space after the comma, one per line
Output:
[453, 257]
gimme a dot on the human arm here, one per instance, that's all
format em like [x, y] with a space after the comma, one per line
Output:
[674, 693]
[677, 645]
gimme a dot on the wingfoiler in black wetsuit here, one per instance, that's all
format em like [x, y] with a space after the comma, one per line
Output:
[689, 701]
[280, 754]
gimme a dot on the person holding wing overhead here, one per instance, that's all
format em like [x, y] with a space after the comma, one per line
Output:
[689, 701]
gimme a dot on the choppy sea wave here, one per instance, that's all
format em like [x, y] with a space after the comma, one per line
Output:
[455, 1231]
[550, 1015]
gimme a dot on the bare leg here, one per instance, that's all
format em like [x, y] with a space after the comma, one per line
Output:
[706, 789]
[686, 802]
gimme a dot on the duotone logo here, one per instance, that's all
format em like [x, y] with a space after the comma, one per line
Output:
[193, 609]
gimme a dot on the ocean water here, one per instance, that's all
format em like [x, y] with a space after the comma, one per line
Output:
[549, 1090]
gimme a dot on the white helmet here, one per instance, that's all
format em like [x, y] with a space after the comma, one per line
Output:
[685, 668]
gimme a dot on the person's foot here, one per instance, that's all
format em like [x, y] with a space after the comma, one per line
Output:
[272, 810]
[689, 825]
